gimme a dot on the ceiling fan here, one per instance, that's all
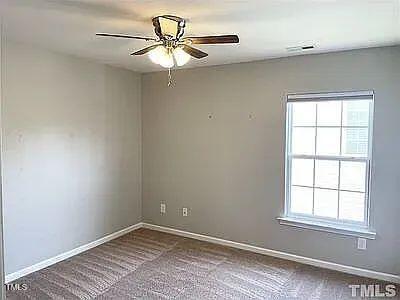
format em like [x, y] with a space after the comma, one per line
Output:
[171, 47]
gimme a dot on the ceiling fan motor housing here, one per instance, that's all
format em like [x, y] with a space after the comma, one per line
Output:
[168, 27]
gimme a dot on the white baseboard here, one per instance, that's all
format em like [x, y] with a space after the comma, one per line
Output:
[45, 263]
[201, 237]
[279, 254]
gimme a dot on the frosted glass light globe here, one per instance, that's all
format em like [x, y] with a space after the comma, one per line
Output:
[181, 57]
[161, 56]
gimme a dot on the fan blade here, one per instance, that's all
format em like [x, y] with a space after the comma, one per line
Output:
[145, 50]
[126, 36]
[216, 39]
[193, 51]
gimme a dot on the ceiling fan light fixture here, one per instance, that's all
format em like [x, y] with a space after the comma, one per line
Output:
[181, 57]
[170, 47]
[162, 57]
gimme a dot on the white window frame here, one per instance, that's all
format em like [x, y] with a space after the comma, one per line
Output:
[325, 223]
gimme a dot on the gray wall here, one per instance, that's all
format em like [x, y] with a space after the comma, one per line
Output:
[72, 153]
[229, 170]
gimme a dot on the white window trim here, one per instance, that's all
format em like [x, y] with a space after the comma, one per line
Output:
[359, 229]
[331, 228]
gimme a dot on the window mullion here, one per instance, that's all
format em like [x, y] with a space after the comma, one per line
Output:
[315, 153]
[329, 157]
[340, 162]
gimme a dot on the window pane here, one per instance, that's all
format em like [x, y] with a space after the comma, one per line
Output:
[303, 114]
[301, 200]
[329, 113]
[352, 176]
[328, 141]
[327, 173]
[351, 206]
[355, 142]
[356, 113]
[326, 203]
[302, 171]
[303, 141]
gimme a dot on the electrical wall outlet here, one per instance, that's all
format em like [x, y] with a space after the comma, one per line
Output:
[361, 243]
[184, 211]
[162, 208]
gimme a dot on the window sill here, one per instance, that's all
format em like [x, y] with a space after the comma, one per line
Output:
[332, 228]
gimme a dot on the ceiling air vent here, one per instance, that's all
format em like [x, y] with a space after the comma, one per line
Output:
[300, 48]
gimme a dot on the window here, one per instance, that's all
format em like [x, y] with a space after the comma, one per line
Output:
[328, 158]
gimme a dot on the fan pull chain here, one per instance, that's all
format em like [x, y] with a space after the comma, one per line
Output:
[169, 77]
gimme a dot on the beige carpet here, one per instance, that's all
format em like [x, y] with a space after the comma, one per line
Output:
[147, 264]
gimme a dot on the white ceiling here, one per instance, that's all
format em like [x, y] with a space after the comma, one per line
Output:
[265, 27]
